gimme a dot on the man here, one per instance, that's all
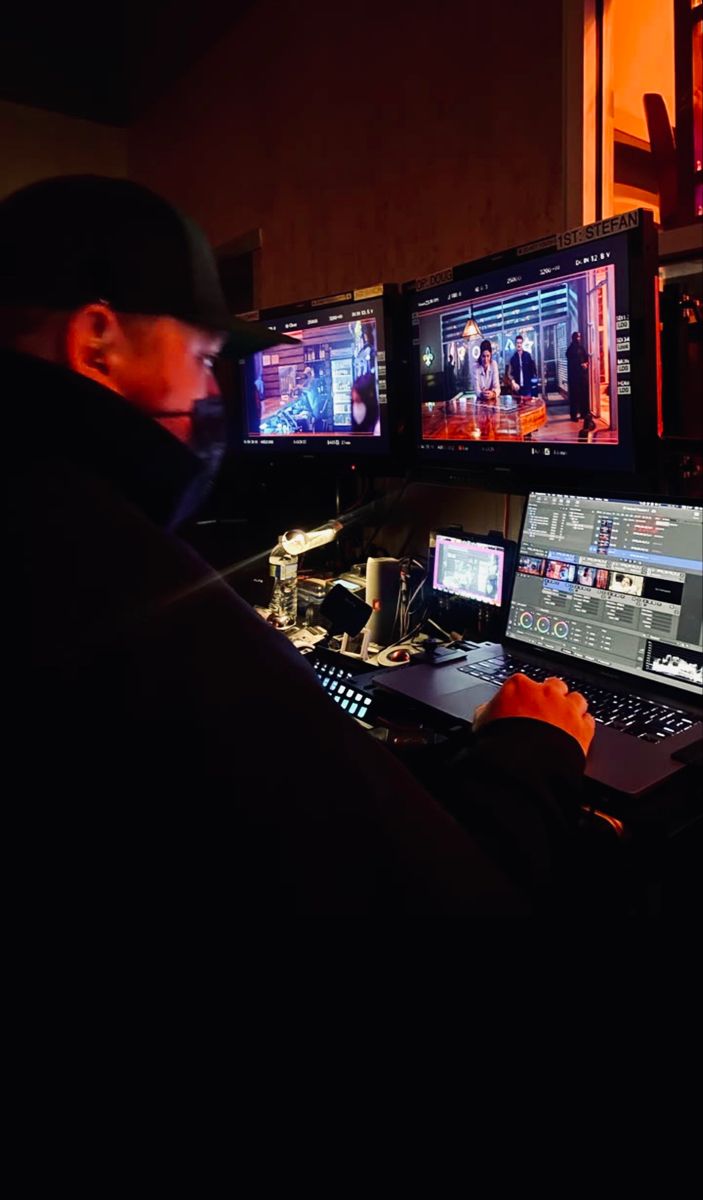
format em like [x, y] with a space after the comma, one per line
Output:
[143, 782]
[450, 378]
[578, 383]
[522, 368]
[315, 401]
[255, 393]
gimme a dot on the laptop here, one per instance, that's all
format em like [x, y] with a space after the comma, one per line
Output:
[606, 594]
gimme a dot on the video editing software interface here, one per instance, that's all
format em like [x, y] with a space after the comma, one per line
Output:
[560, 385]
[613, 582]
[328, 393]
[468, 570]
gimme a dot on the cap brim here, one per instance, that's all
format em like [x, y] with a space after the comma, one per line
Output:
[246, 337]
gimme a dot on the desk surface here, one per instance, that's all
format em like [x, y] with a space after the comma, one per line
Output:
[671, 806]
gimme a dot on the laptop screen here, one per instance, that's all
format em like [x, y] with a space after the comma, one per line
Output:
[469, 570]
[618, 583]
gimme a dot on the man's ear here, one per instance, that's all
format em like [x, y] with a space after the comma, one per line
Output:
[93, 339]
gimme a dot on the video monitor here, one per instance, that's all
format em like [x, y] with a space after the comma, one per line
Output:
[328, 394]
[543, 356]
[468, 570]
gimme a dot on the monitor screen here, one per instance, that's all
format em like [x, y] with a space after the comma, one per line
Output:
[543, 356]
[328, 393]
[468, 570]
[613, 582]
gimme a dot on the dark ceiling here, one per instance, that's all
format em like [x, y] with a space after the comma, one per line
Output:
[105, 62]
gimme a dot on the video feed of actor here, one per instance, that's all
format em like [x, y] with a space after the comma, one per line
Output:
[563, 572]
[535, 362]
[469, 570]
[595, 577]
[629, 585]
[540, 355]
[329, 389]
[529, 564]
[604, 534]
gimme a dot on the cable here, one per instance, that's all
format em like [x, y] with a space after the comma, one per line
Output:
[417, 591]
[410, 635]
[439, 627]
[404, 607]
[396, 616]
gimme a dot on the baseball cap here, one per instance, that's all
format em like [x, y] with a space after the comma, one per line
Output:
[76, 239]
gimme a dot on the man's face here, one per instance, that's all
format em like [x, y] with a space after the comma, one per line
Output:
[518, 345]
[164, 367]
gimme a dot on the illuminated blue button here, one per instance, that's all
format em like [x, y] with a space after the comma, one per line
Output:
[362, 711]
[345, 704]
[353, 708]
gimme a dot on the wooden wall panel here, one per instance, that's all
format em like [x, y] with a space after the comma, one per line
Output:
[368, 144]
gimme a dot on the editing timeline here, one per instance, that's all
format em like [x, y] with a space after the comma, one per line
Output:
[618, 583]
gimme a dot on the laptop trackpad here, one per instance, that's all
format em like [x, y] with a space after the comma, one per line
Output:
[444, 688]
[464, 704]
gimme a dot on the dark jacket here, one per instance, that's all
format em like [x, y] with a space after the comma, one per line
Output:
[576, 356]
[528, 371]
[169, 752]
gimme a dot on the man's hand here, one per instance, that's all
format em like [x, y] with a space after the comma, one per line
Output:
[550, 701]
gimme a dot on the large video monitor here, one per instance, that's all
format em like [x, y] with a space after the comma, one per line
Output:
[329, 393]
[541, 357]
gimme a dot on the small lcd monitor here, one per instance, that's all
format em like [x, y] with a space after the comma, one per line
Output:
[328, 394]
[468, 570]
[542, 358]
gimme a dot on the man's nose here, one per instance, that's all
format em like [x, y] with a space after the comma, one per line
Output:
[213, 387]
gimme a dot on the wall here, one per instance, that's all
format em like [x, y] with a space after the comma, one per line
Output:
[425, 506]
[37, 143]
[367, 143]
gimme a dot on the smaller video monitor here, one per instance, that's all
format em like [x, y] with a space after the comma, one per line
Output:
[327, 391]
[469, 570]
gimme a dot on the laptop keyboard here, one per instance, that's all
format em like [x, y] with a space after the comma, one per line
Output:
[620, 710]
